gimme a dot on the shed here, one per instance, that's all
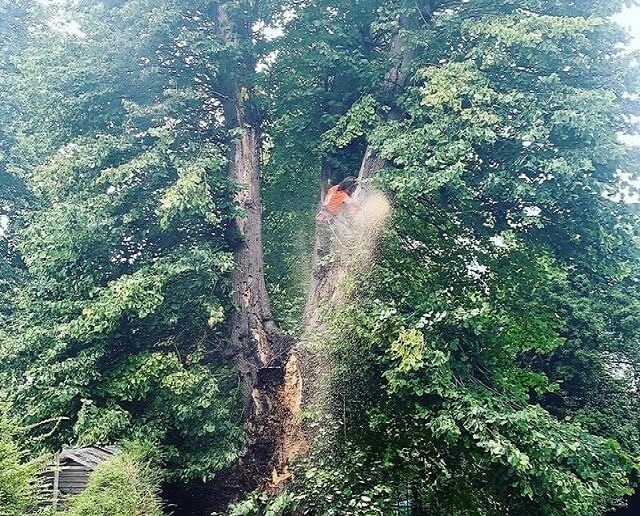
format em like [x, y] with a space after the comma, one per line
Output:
[69, 471]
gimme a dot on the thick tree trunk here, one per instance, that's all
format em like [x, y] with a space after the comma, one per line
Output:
[252, 322]
[268, 370]
[267, 367]
[269, 373]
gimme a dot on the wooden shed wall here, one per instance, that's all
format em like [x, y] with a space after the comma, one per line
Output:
[73, 478]
[68, 473]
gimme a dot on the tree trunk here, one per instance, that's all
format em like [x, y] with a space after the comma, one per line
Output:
[268, 370]
[252, 323]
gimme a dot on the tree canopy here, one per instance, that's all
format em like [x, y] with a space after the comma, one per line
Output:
[483, 361]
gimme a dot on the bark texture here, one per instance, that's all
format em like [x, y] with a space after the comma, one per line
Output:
[268, 370]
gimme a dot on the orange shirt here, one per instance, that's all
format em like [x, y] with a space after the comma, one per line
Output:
[335, 199]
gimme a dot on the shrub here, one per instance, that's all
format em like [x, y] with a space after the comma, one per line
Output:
[17, 491]
[126, 485]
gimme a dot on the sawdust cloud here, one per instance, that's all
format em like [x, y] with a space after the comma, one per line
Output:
[351, 252]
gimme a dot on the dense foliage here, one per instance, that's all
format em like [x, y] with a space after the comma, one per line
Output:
[499, 327]
[328, 56]
[485, 364]
[116, 325]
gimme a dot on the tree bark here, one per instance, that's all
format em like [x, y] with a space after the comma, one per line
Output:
[268, 370]
[252, 323]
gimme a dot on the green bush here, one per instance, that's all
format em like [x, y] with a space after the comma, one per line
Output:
[126, 485]
[17, 490]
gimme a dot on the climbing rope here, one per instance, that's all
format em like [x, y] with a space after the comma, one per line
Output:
[350, 248]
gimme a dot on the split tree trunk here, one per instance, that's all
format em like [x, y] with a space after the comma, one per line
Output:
[268, 371]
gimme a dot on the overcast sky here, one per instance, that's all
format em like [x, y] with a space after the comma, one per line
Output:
[630, 19]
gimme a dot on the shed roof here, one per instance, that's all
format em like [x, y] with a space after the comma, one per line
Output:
[90, 456]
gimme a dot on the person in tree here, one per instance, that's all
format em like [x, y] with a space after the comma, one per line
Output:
[338, 200]
[334, 217]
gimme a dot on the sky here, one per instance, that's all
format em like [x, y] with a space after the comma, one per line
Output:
[630, 18]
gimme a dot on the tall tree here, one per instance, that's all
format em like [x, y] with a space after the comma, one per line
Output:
[120, 316]
[506, 280]
[269, 376]
[142, 146]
